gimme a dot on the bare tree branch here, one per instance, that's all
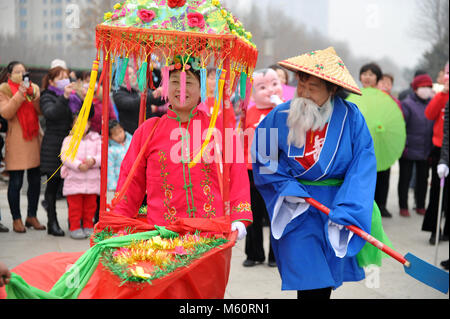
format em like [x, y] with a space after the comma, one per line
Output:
[432, 20]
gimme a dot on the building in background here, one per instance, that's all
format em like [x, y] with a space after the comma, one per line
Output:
[7, 17]
[45, 20]
[38, 31]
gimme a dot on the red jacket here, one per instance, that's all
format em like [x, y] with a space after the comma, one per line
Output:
[435, 112]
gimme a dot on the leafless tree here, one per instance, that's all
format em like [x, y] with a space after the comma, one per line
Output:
[91, 15]
[432, 20]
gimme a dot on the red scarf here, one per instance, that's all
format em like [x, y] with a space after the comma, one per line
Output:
[26, 115]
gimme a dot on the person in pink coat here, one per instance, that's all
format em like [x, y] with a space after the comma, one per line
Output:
[82, 183]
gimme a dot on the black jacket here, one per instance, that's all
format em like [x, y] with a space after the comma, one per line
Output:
[59, 119]
[128, 105]
[3, 129]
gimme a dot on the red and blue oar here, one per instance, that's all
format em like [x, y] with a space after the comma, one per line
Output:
[414, 266]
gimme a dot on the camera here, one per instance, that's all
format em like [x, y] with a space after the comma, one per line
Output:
[26, 79]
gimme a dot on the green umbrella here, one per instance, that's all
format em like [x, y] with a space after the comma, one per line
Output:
[386, 125]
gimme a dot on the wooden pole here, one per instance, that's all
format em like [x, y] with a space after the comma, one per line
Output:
[226, 120]
[105, 135]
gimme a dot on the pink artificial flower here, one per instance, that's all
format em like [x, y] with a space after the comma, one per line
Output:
[120, 252]
[179, 250]
[146, 15]
[196, 19]
[165, 24]
[122, 233]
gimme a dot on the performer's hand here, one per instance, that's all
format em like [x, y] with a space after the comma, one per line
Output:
[442, 171]
[240, 227]
[5, 275]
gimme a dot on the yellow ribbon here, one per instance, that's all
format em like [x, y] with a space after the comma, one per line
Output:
[212, 124]
[83, 117]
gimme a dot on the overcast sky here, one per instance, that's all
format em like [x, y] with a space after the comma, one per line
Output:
[372, 28]
[377, 28]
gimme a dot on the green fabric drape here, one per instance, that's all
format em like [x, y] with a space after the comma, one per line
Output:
[83, 269]
[369, 254]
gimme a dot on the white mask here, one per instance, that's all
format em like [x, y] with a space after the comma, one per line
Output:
[424, 93]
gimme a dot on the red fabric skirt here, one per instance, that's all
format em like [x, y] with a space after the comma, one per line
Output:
[204, 278]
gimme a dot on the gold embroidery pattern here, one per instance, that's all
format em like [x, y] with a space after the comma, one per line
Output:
[242, 207]
[169, 215]
[208, 207]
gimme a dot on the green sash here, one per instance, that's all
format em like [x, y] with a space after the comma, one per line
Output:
[84, 268]
[369, 254]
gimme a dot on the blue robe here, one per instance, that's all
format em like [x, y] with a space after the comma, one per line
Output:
[312, 249]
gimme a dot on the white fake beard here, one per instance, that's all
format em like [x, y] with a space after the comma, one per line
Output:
[305, 115]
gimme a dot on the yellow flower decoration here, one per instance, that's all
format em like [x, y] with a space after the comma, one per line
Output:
[140, 273]
[157, 241]
[117, 6]
[107, 15]
[216, 3]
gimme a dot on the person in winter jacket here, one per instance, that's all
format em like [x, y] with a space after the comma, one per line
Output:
[19, 105]
[435, 112]
[128, 101]
[55, 106]
[97, 104]
[82, 183]
[419, 131]
[119, 142]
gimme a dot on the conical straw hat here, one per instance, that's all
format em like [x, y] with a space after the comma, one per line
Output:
[326, 65]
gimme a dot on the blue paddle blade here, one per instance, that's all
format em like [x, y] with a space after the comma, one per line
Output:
[427, 273]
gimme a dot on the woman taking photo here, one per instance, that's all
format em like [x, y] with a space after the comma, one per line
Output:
[56, 108]
[19, 105]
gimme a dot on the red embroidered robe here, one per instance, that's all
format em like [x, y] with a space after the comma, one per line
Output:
[173, 190]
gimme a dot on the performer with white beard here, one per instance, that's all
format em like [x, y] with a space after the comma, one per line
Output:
[322, 149]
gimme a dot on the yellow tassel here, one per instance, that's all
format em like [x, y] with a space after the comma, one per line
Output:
[80, 125]
[212, 124]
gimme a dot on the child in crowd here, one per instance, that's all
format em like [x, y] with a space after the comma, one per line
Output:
[82, 182]
[119, 142]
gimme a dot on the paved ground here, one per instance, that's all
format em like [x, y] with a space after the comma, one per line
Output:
[259, 282]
